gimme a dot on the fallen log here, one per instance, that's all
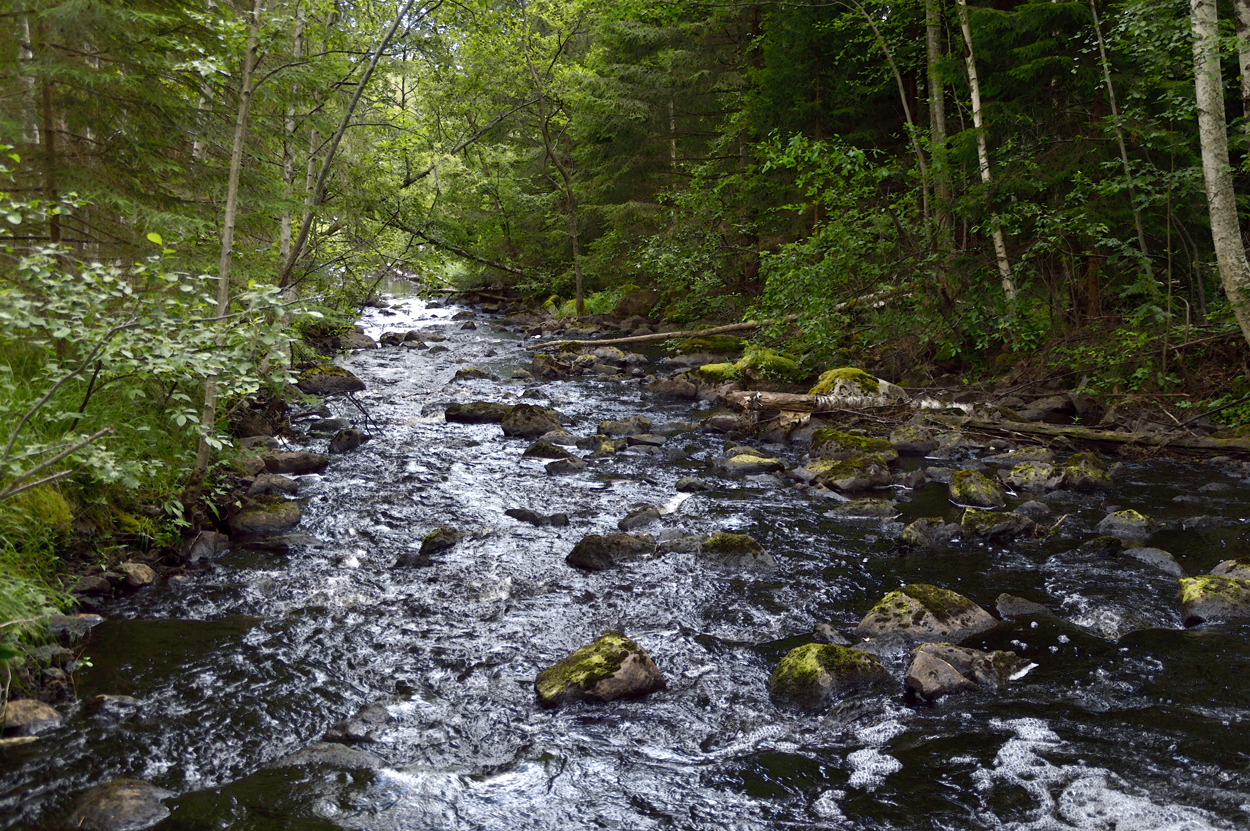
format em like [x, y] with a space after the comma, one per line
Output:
[1093, 435]
[693, 333]
[797, 402]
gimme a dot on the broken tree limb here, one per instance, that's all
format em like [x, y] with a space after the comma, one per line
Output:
[1095, 436]
[693, 333]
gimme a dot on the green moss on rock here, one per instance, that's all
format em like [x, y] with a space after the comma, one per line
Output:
[592, 673]
[829, 380]
[710, 343]
[761, 363]
[970, 487]
[815, 674]
[719, 373]
[834, 444]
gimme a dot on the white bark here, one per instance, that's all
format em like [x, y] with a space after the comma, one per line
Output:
[1230, 255]
[1242, 10]
[937, 125]
[983, 153]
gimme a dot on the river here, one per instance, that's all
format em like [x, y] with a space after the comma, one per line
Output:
[1128, 722]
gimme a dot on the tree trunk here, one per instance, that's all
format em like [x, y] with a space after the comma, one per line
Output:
[983, 153]
[1230, 255]
[1242, 10]
[208, 418]
[937, 127]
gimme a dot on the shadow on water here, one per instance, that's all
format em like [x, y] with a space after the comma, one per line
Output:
[1127, 722]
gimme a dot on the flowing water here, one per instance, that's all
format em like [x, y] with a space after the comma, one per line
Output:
[1129, 721]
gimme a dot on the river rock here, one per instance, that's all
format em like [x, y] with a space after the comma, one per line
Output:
[692, 484]
[912, 439]
[596, 552]
[853, 387]
[477, 412]
[326, 427]
[747, 464]
[994, 524]
[548, 366]
[1084, 472]
[735, 551]
[815, 675]
[529, 421]
[1025, 454]
[1034, 476]
[676, 388]
[970, 488]
[329, 379]
[560, 438]
[264, 516]
[1239, 568]
[1010, 606]
[27, 717]
[365, 727]
[921, 613]
[345, 441]
[138, 575]
[864, 509]
[939, 669]
[645, 440]
[356, 339]
[850, 475]
[564, 467]
[625, 427]
[120, 805]
[639, 518]
[825, 633]
[472, 373]
[543, 449]
[92, 585]
[331, 755]
[263, 442]
[834, 444]
[535, 518]
[440, 539]
[928, 532]
[273, 484]
[113, 709]
[1156, 558]
[1211, 598]
[72, 627]
[611, 667]
[298, 462]
[1128, 524]
[1033, 509]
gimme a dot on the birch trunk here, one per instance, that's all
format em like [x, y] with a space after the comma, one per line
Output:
[937, 127]
[1230, 254]
[983, 153]
[1242, 10]
[208, 418]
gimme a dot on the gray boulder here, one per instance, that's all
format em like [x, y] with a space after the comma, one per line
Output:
[939, 669]
[970, 488]
[477, 412]
[639, 518]
[329, 379]
[1211, 598]
[297, 462]
[1239, 568]
[735, 551]
[1128, 525]
[563, 467]
[1084, 472]
[1156, 558]
[611, 667]
[345, 441]
[912, 439]
[928, 532]
[631, 426]
[543, 449]
[529, 421]
[264, 516]
[331, 755]
[28, 717]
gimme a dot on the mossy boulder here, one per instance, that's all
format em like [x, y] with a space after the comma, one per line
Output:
[928, 532]
[735, 551]
[971, 488]
[988, 525]
[1212, 598]
[1085, 472]
[596, 552]
[472, 373]
[815, 675]
[721, 373]
[1239, 568]
[913, 439]
[120, 805]
[855, 387]
[1024, 454]
[264, 516]
[1128, 525]
[529, 421]
[477, 412]
[850, 475]
[921, 613]
[329, 379]
[549, 366]
[297, 462]
[1032, 476]
[834, 444]
[939, 669]
[716, 344]
[611, 667]
[759, 363]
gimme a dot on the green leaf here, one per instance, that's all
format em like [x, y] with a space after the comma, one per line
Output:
[155, 238]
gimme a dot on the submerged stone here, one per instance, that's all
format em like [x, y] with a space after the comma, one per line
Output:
[921, 613]
[611, 667]
[440, 539]
[815, 675]
[928, 532]
[120, 805]
[596, 552]
[864, 509]
[632, 426]
[331, 755]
